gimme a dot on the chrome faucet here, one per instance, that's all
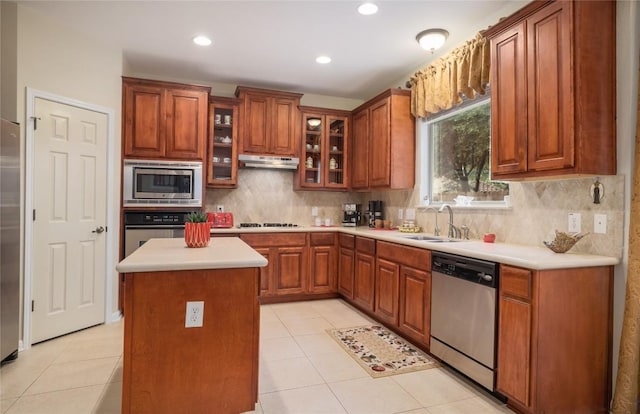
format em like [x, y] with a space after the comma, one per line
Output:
[436, 229]
[454, 232]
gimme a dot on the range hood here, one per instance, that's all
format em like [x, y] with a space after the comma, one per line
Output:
[269, 161]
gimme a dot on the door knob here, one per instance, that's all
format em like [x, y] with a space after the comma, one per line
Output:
[98, 230]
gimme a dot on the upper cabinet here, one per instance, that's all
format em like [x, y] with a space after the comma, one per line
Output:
[553, 91]
[269, 121]
[384, 143]
[325, 146]
[164, 119]
[222, 156]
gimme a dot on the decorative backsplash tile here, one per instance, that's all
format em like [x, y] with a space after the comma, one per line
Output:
[537, 208]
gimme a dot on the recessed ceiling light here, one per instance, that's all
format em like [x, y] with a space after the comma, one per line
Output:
[202, 40]
[323, 59]
[367, 9]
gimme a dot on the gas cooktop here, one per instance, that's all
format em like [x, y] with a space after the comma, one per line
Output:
[268, 225]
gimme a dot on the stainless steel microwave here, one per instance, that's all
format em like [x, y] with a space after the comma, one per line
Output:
[151, 183]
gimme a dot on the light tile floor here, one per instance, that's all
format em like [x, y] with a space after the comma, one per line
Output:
[302, 371]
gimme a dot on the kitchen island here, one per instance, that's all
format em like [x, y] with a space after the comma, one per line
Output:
[169, 367]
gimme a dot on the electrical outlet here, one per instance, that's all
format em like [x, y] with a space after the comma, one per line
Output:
[220, 208]
[314, 211]
[194, 315]
[574, 223]
[600, 223]
[400, 214]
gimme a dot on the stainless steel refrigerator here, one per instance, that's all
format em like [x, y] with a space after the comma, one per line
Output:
[10, 205]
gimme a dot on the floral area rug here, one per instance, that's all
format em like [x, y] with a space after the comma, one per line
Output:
[380, 352]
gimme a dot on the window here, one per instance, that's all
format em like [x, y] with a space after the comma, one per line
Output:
[456, 147]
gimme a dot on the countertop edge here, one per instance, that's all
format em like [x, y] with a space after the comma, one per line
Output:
[530, 257]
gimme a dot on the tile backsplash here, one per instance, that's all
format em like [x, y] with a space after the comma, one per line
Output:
[537, 208]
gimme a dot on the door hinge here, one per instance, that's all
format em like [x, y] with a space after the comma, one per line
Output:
[34, 214]
[33, 305]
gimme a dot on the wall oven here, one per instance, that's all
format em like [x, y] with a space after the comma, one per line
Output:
[142, 226]
[151, 183]
[463, 315]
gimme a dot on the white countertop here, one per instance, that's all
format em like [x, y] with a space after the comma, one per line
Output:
[159, 255]
[531, 257]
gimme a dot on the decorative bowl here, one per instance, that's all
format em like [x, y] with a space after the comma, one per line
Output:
[564, 241]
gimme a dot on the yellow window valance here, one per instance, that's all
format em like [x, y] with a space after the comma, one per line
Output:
[441, 85]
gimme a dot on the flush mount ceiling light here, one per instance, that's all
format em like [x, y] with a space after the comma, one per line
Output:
[432, 39]
[202, 40]
[367, 9]
[323, 59]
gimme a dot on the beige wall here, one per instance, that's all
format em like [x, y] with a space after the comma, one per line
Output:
[55, 60]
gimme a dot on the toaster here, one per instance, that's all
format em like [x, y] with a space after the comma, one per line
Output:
[221, 220]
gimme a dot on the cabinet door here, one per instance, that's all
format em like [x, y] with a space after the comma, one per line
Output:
[282, 136]
[312, 166]
[415, 304]
[346, 263]
[508, 102]
[549, 87]
[186, 124]
[386, 291]
[290, 270]
[514, 334]
[323, 269]
[360, 151]
[266, 274]
[144, 121]
[337, 169]
[364, 279]
[222, 156]
[380, 148]
[256, 119]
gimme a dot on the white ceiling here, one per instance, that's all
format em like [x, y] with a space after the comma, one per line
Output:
[274, 44]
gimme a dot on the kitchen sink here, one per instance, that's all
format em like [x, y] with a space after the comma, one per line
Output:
[431, 239]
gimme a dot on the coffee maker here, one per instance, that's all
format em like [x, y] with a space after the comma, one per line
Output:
[375, 212]
[352, 215]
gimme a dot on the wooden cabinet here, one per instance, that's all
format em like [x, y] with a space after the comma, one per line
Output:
[387, 285]
[222, 155]
[323, 263]
[286, 272]
[553, 90]
[364, 273]
[163, 119]
[269, 121]
[403, 289]
[346, 264]
[325, 148]
[384, 143]
[554, 339]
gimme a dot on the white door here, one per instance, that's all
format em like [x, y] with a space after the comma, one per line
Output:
[69, 248]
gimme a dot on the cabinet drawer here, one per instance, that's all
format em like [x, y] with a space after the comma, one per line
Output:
[411, 256]
[322, 239]
[275, 239]
[365, 245]
[348, 241]
[516, 282]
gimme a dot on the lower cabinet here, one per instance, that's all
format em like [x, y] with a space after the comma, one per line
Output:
[346, 264]
[286, 273]
[403, 289]
[364, 273]
[554, 339]
[323, 263]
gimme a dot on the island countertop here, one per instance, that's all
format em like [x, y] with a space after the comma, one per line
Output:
[159, 255]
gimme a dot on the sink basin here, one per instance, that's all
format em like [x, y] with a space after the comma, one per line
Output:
[431, 239]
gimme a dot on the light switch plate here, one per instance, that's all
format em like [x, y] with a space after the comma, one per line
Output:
[314, 211]
[600, 223]
[194, 315]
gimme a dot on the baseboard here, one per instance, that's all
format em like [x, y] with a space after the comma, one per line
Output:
[115, 317]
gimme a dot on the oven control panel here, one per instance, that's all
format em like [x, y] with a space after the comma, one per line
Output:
[154, 218]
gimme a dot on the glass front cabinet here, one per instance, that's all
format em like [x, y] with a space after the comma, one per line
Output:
[325, 149]
[222, 154]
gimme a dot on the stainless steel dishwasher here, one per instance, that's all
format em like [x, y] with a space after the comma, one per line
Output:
[463, 315]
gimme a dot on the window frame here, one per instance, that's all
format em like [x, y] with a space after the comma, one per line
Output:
[426, 157]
